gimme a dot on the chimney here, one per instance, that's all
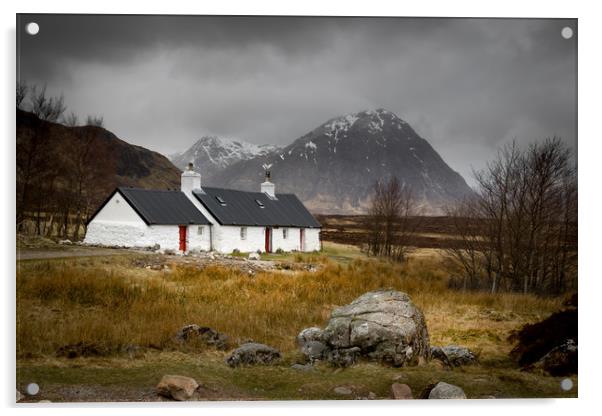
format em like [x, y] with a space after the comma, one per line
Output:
[268, 187]
[191, 180]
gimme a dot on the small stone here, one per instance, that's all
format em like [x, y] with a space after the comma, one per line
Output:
[343, 391]
[371, 396]
[177, 387]
[19, 395]
[253, 353]
[401, 391]
[454, 355]
[303, 367]
[311, 344]
[446, 391]
[203, 334]
[254, 256]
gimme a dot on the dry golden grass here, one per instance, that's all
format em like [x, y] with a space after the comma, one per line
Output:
[112, 304]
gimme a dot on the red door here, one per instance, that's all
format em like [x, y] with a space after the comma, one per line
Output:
[302, 239]
[183, 237]
[268, 240]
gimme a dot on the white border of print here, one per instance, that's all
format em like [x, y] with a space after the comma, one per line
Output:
[590, 151]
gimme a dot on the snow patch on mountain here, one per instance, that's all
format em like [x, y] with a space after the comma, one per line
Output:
[212, 153]
[311, 145]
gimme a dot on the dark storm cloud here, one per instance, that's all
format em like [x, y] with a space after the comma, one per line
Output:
[467, 85]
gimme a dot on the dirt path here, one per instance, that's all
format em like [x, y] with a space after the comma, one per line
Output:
[37, 254]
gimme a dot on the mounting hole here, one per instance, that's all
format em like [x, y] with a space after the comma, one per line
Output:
[566, 32]
[32, 389]
[32, 28]
[566, 384]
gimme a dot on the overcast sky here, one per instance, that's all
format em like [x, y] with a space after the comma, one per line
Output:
[465, 85]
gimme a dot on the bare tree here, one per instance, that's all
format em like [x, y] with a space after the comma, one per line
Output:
[48, 109]
[470, 252]
[34, 167]
[525, 206]
[71, 120]
[22, 90]
[97, 121]
[388, 219]
[62, 174]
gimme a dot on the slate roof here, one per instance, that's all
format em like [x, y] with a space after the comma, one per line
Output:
[160, 207]
[242, 208]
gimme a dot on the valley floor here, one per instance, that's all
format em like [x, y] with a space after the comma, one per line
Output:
[128, 307]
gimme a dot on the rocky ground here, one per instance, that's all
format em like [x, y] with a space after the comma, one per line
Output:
[378, 344]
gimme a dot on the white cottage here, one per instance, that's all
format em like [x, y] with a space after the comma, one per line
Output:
[204, 218]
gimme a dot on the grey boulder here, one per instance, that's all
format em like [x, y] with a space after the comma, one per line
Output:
[454, 355]
[446, 391]
[203, 334]
[253, 353]
[383, 325]
[312, 344]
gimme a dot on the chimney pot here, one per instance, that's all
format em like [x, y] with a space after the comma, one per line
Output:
[191, 180]
[268, 187]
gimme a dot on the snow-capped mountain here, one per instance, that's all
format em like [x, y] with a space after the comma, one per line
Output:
[212, 154]
[333, 167]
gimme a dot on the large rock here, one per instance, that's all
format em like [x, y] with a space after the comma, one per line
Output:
[203, 334]
[401, 391]
[454, 355]
[177, 387]
[561, 360]
[446, 391]
[383, 325]
[253, 353]
[312, 344]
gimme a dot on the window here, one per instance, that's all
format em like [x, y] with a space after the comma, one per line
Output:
[199, 230]
[243, 233]
[285, 233]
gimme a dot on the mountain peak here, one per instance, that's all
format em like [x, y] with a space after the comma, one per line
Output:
[333, 167]
[211, 153]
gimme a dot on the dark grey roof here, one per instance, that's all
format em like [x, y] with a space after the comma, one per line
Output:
[161, 207]
[242, 208]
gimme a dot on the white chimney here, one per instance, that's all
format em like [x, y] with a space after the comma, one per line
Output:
[268, 187]
[191, 180]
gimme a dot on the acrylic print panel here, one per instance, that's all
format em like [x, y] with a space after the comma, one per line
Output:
[295, 208]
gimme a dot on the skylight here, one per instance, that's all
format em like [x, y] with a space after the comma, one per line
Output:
[260, 203]
[221, 201]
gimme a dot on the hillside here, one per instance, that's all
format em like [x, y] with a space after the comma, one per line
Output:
[333, 167]
[131, 165]
[64, 173]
